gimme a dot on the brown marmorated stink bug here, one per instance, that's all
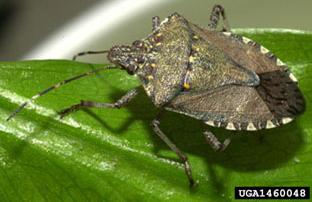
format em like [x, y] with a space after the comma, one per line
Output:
[221, 78]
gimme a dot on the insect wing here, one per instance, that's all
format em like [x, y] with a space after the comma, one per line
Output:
[277, 100]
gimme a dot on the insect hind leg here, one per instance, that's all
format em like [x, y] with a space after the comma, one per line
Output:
[218, 10]
[215, 143]
[155, 125]
[91, 104]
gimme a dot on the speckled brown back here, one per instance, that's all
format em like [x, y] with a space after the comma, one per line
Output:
[273, 101]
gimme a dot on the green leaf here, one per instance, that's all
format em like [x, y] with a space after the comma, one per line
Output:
[113, 155]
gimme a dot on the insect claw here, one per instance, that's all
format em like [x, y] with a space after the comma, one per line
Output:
[67, 111]
[224, 145]
[193, 183]
[62, 114]
[215, 143]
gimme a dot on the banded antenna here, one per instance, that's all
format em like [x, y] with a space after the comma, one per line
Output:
[89, 53]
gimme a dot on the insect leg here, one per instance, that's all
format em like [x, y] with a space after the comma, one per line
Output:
[173, 147]
[155, 22]
[89, 53]
[88, 104]
[218, 10]
[22, 106]
[215, 143]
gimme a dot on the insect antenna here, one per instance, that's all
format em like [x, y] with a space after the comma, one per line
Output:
[57, 86]
[89, 53]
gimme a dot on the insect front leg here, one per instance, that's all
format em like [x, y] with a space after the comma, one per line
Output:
[155, 22]
[215, 143]
[218, 10]
[90, 104]
[173, 147]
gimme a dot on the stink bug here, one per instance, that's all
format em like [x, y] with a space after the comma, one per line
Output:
[218, 77]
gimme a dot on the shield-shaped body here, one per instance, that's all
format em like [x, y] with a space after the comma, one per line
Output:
[220, 78]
